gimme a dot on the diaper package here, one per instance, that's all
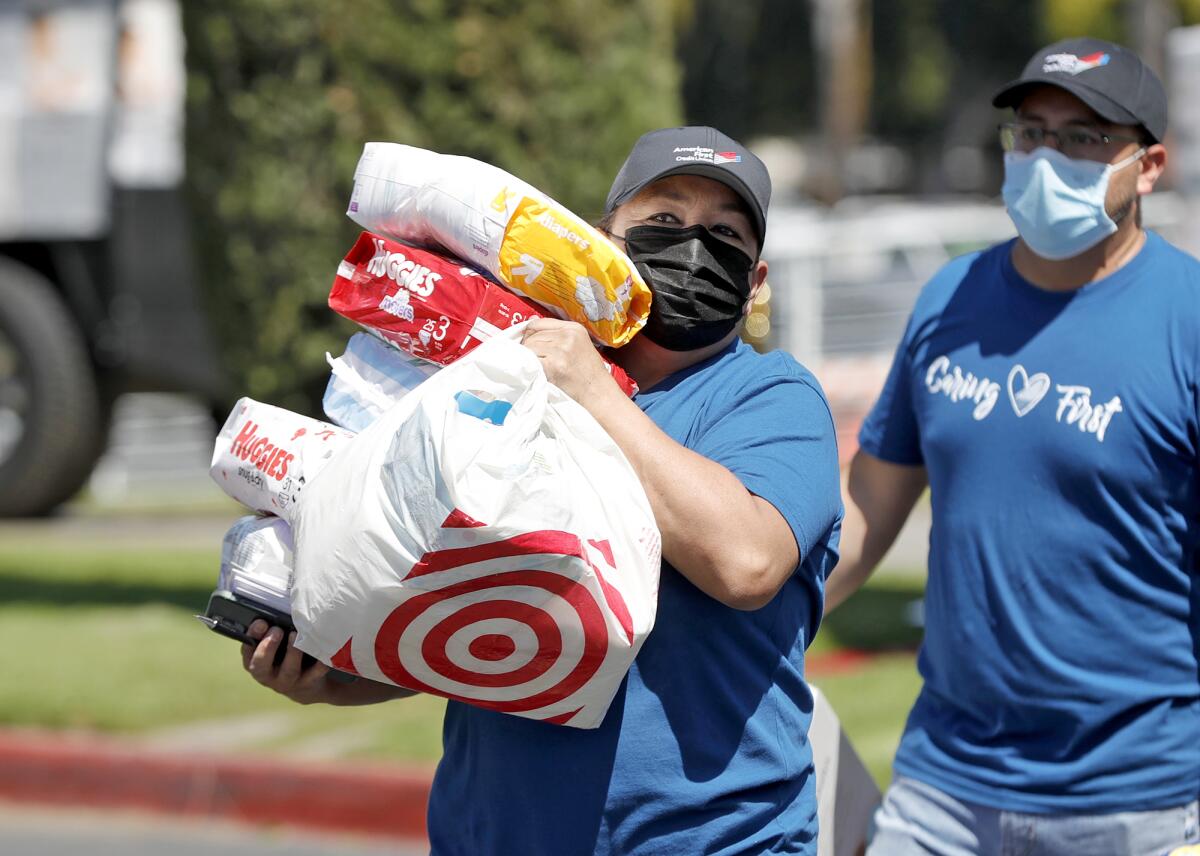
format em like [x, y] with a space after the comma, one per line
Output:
[431, 306]
[256, 561]
[265, 455]
[426, 304]
[499, 223]
[370, 377]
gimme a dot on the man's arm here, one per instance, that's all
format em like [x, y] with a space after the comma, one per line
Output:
[878, 498]
[731, 544]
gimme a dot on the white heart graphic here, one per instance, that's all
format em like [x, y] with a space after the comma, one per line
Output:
[1032, 390]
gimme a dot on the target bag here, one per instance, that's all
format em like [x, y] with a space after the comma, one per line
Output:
[495, 221]
[483, 540]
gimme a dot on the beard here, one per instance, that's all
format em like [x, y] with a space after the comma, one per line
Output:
[1124, 204]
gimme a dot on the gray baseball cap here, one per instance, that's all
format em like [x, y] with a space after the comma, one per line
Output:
[696, 150]
[1110, 79]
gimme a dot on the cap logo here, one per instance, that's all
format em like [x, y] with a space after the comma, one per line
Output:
[1071, 64]
[703, 154]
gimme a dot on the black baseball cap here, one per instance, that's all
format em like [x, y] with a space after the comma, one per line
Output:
[696, 150]
[1110, 79]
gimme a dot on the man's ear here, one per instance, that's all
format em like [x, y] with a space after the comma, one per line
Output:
[1153, 162]
[758, 277]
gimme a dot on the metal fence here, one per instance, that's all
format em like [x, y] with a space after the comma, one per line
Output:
[843, 282]
[842, 285]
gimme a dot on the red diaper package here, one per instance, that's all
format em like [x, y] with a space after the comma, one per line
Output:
[429, 305]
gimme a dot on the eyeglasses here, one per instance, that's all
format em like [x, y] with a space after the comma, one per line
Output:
[1085, 143]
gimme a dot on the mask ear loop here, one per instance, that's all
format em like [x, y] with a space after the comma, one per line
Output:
[1117, 167]
[1124, 162]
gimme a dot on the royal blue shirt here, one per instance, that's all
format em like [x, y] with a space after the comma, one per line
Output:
[1060, 432]
[704, 748]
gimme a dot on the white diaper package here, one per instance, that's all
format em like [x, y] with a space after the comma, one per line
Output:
[256, 561]
[264, 455]
[370, 377]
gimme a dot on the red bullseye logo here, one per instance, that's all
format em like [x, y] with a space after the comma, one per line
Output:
[523, 633]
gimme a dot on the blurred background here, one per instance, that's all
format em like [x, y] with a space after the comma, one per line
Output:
[173, 181]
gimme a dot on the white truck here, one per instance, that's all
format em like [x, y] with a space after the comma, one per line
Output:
[97, 287]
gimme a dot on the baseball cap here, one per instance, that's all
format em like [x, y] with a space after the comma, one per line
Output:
[1110, 79]
[695, 150]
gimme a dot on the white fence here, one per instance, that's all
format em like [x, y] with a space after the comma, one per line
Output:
[844, 281]
[842, 285]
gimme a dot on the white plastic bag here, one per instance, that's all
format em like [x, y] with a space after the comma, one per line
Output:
[369, 378]
[265, 455]
[512, 563]
[256, 561]
[497, 222]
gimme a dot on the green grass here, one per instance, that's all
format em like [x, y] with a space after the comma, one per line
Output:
[872, 704]
[104, 639]
[872, 701]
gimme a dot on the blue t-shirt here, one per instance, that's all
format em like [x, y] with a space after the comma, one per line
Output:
[1061, 433]
[704, 748]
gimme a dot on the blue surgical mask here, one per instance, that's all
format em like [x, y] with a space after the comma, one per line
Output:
[1057, 202]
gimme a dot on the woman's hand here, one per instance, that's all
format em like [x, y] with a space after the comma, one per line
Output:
[306, 686]
[569, 358]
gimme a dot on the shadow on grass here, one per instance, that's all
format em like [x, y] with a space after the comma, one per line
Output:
[29, 590]
[878, 618]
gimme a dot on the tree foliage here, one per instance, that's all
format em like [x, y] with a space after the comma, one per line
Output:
[749, 67]
[1064, 19]
[282, 94]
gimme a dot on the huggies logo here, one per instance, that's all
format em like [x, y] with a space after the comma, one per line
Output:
[418, 279]
[264, 455]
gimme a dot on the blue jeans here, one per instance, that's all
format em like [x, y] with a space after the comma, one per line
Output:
[919, 820]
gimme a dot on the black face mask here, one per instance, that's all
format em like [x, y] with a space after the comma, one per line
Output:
[700, 284]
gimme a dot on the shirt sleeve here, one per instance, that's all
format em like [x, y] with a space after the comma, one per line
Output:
[779, 441]
[890, 431]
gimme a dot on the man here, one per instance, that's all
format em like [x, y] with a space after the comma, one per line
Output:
[1048, 389]
[703, 750]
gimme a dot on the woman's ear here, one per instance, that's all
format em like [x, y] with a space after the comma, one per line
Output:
[758, 277]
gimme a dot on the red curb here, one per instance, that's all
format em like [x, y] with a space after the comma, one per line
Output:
[836, 662]
[371, 799]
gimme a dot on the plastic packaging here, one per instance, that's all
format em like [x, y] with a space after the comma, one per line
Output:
[368, 379]
[428, 305]
[265, 455]
[256, 561]
[501, 224]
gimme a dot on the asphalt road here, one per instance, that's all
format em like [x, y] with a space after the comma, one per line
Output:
[37, 831]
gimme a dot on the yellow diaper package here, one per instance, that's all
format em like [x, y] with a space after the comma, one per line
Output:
[485, 216]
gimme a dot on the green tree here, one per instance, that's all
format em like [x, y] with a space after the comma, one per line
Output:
[748, 66]
[1064, 19]
[282, 94]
